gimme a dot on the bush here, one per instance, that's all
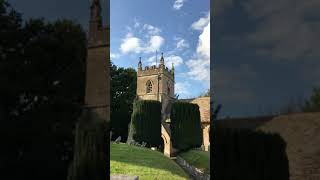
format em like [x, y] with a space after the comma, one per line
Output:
[185, 126]
[145, 123]
[245, 154]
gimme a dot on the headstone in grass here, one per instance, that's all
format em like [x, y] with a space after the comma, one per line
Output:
[118, 140]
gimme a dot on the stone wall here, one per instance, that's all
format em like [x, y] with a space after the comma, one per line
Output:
[204, 107]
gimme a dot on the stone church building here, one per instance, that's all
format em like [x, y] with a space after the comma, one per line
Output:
[157, 83]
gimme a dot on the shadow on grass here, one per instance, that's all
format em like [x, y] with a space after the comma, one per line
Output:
[197, 158]
[144, 157]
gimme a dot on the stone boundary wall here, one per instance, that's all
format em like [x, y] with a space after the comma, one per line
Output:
[194, 172]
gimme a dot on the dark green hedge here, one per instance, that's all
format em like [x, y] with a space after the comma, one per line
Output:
[145, 123]
[185, 125]
[250, 155]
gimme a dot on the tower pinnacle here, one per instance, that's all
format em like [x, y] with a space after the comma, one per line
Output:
[162, 59]
[95, 10]
[95, 18]
[140, 64]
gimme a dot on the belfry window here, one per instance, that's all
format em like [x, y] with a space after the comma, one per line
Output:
[149, 87]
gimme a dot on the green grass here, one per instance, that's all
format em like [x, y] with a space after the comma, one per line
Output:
[198, 159]
[143, 162]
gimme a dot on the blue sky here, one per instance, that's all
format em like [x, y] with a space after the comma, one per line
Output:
[178, 28]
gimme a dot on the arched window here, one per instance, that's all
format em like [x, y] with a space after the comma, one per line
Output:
[149, 86]
[168, 85]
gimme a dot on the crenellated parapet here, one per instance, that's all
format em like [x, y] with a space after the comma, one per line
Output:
[155, 70]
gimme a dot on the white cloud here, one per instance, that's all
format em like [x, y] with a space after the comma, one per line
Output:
[201, 23]
[151, 30]
[176, 60]
[149, 43]
[151, 61]
[178, 4]
[155, 43]
[182, 43]
[130, 44]
[114, 55]
[199, 65]
[182, 88]
[203, 48]
[136, 24]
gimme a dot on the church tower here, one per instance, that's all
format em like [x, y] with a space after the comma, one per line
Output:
[156, 83]
[97, 96]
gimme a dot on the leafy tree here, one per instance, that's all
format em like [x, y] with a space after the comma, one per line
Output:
[123, 92]
[205, 94]
[42, 70]
[313, 104]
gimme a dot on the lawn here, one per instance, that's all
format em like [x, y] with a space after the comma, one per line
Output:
[198, 159]
[143, 162]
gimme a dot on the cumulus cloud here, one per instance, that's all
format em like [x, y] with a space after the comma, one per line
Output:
[176, 60]
[181, 43]
[155, 43]
[114, 55]
[201, 23]
[203, 48]
[151, 42]
[283, 30]
[130, 44]
[151, 30]
[199, 65]
[178, 4]
[288, 27]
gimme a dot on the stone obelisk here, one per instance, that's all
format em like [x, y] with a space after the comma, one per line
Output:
[97, 96]
[91, 137]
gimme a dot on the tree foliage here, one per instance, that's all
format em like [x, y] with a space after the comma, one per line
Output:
[313, 104]
[145, 123]
[185, 125]
[42, 75]
[123, 92]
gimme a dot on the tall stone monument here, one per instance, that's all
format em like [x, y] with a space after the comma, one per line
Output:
[91, 137]
[97, 97]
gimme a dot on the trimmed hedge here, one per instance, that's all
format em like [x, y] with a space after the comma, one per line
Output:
[250, 155]
[185, 125]
[145, 123]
